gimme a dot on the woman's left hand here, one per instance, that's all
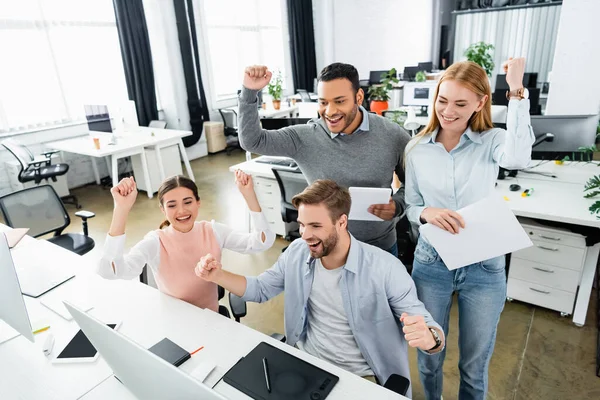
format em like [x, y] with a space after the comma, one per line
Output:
[244, 183]
[514, 68]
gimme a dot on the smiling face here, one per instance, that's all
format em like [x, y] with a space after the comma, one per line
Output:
[318, 230]
[455, 104]
[180, 208]
[338, 105]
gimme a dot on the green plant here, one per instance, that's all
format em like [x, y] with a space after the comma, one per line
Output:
[592, 186]
[481, 53]
[420, 76]
[275, 89]
[380, 92]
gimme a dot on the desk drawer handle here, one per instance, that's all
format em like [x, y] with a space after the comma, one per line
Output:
[271, 208]
[549, 237]
[268, 192]
[539, 291]
[548, 248]
[544, 270]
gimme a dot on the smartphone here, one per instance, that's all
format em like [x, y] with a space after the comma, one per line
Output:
[80, 349]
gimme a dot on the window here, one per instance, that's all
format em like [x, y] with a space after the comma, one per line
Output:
[242, 33]
[57, 55]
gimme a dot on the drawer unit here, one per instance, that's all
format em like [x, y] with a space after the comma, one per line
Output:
[548, 273]
[540, 295]
[269, 197]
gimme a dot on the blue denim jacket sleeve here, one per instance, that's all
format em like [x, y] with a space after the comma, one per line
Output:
[268, 284]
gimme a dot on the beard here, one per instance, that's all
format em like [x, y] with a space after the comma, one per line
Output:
[325, 247]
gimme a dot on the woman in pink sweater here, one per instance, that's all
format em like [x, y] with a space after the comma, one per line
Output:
[173, 250]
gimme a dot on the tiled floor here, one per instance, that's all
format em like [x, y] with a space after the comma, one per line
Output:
[538, 354]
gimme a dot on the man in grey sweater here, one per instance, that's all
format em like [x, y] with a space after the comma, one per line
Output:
[347, 144]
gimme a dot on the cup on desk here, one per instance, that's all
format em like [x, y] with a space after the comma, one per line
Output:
[293, 101]
[97, 143]
[264, 105]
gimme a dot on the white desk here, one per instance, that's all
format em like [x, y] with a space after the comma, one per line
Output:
[129, 142]
[270, 112]
[147, 316]
[559, 199]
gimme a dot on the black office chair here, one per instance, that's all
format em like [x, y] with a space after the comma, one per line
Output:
[290, 184]
[40, 209]
[230, 129]
[222, 309]
[38, 170]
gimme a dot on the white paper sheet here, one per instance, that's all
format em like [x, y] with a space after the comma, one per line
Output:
[76, 297]
[363, 198]
[491, 230]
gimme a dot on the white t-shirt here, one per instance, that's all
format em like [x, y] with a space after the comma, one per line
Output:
[328, 334]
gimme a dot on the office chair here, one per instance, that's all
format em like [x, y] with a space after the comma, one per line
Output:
[222, 309]
[290, 184]
[157, 124]
[304, 96]
[37, 170]
[230, 129]
[40, 209]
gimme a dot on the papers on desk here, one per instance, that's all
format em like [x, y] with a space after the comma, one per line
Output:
[363, 198]
[491, 230]
[14, 236]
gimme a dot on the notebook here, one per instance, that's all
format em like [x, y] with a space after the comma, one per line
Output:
[289, 376]
[171, 352]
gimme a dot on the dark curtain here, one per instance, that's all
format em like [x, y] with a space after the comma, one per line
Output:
[190, 57]
[302, 42]
[137, 58]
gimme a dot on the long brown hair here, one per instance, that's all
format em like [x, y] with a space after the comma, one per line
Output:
[173, 183]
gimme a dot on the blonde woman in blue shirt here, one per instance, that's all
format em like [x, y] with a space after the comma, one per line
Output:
[454, 162]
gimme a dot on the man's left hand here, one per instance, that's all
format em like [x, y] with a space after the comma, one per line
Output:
[384, 211]
[416, 332]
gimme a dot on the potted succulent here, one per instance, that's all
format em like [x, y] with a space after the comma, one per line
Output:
[275, 90]
[379, 93]
[481, 53]
[420, 76]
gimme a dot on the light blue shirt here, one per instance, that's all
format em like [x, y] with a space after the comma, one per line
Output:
[375, 288]
[363, 127]
[468, 173]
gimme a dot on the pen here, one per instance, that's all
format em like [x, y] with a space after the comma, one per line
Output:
[267, 378]
[197, 350]
[41, 329]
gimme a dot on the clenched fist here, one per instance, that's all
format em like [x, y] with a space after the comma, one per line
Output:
[208, 268]
[514, 68]
[416, 332]
[256, 77]
[124, 193]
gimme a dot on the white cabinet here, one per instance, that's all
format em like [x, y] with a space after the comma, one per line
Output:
[548, 273]
[171, 163]
[13, 168]
[269, 197]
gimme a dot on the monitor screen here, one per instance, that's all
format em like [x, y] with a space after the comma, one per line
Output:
[570, 131]
[98, 118]
[426, 66]
[376, 76]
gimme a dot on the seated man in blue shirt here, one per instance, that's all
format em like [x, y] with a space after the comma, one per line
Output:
[345, 300]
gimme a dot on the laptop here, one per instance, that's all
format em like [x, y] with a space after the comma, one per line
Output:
[143, 373]
[288, 376]
[281, 162]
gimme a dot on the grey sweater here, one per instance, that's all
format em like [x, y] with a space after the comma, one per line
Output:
[364, 159]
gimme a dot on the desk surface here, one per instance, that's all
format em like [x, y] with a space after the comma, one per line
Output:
[147, 316]
[270, 112]
[128, 139]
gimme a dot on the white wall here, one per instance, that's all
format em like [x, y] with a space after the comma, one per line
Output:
[373, 35]
[575, 84]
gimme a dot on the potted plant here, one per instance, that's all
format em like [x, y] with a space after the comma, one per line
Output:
[379, 93]
[275, 90]
[420, 76]
[481, 53]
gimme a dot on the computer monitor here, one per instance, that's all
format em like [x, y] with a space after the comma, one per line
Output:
[278, 123]
[12, 306]
[145, 374]
[98, 118]
[376, 77]
[529, 81]
[570, 131]
[419, 93]
[410, 73]
[426, 66]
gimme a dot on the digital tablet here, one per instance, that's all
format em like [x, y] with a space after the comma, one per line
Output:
[80, 349]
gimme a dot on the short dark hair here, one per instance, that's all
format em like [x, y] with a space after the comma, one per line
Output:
[325, 191]
[340, 71]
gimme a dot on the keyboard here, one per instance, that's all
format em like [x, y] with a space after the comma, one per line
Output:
[286, 163]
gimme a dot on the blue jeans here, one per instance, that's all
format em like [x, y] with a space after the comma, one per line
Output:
[481, 290]
[393, 250]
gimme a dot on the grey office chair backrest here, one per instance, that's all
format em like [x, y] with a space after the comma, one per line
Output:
[290, 183]
[38, 208]
[21, 153]
[229, 117]
[304, 95]
[157, 124]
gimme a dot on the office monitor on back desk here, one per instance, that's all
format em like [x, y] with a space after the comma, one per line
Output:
[570, 133]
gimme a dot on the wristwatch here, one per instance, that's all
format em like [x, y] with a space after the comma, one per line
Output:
[521, 93]
[438, 341]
